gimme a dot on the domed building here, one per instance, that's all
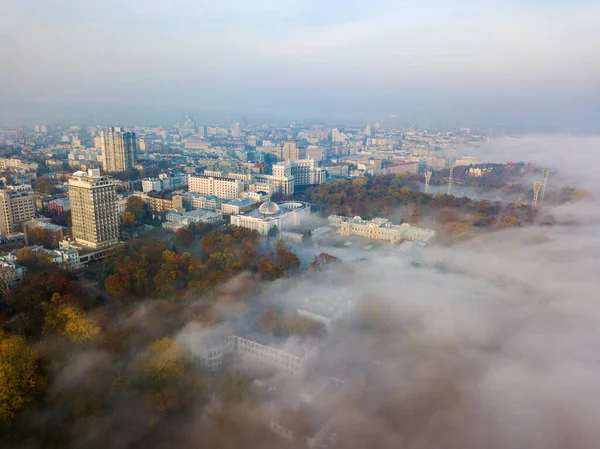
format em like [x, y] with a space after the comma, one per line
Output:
[283, 215]
[269, 208]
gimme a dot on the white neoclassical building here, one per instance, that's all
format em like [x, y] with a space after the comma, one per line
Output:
[284, 215]
[379, 228]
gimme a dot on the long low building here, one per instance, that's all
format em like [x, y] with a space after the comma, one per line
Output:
[176, 220]
[379, 228]
[284, 215]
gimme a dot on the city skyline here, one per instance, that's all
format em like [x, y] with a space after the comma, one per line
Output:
[492, 64]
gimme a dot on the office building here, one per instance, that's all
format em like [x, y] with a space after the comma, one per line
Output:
[16, 207]
[222, 187]
[118, 150]
[94, 216]
[306, 172]
[281, 181]
[401, 168]
[162, 201]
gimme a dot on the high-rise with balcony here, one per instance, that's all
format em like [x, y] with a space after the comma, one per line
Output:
[118, 150]
[94, 215]
[16, 207]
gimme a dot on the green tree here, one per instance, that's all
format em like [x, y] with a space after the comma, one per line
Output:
[19, 374]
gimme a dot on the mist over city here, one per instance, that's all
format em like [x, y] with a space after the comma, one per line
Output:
[289, 224]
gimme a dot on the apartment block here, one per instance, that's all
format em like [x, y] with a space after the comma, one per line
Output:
[16, 207]
[118, 150]
[227, 188]
[94, 216]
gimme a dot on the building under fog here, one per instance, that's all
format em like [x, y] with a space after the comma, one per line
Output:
[284, 215]
[379, 228]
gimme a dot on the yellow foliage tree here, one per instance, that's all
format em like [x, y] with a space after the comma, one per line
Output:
[165, 360]
[19, 377]
[68, 321]
[509, 220]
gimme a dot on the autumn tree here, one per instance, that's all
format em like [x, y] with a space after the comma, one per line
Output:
[303, 326]
[455, 228]
[128, 222]
[33, 260]
[235, 388]
[44, 185]
[509, 220]
[36, 236]
[183, 237]
[163, 375]
[68, 321]
[136, 206]
[19, 374]
[324, 260]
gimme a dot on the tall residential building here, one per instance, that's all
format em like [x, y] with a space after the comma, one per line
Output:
[16, 207]
[94, 215]
[228, 188]
[290, 151]
[118, 150]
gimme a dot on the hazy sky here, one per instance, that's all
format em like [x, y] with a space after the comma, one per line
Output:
[500, 59]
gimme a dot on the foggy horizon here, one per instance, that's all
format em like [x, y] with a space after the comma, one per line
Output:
[499, 64]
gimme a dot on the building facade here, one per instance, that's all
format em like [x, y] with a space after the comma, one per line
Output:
[151, 184]
[222, 187]
[379, 228]
[290, 151]
[306, 172]
[284, 215]
[59, 208]
[95, 221]
[16, 207]
[118, 150]
[42, 232]
[176, 220]
[162, 202]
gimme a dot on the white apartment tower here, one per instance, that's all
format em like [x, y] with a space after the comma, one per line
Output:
[94, 215]
[118, 150]
[16, 207]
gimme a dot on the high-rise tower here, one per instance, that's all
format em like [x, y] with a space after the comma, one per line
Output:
[427, 179]
[118, 150]
[545, 174]
[93, 209]
[537, 185]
